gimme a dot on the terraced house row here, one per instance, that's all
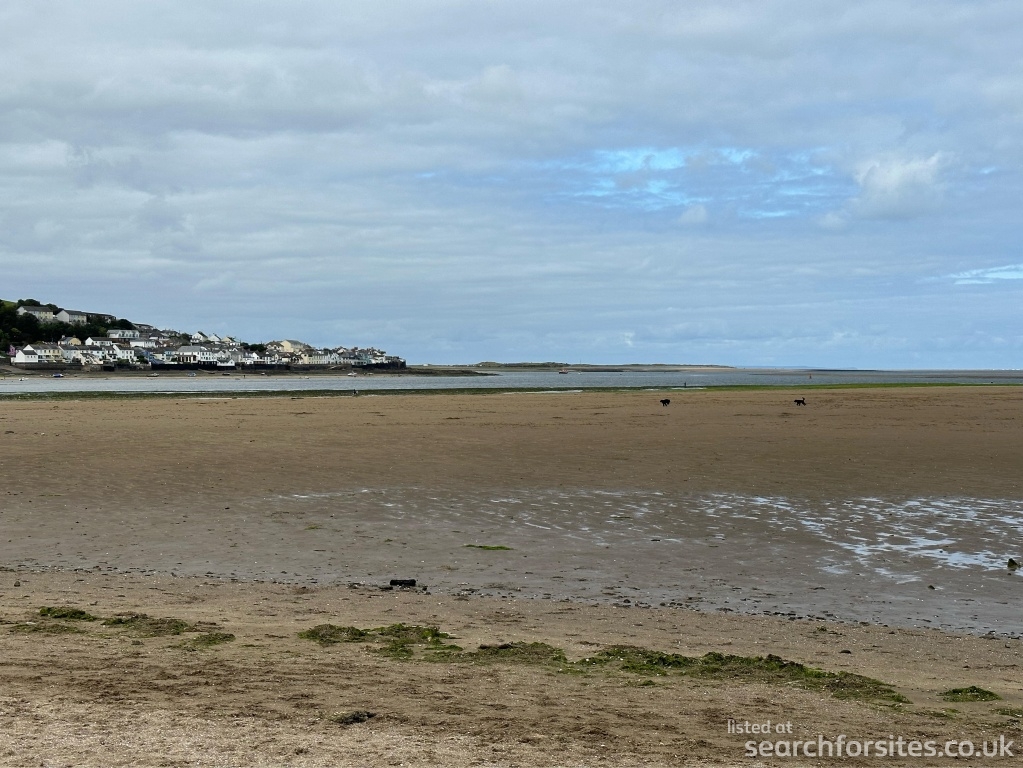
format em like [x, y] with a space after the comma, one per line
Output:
[155, 349]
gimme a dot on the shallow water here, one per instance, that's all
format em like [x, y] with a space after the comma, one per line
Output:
[884, 537]
[678, 380]
[929, 562]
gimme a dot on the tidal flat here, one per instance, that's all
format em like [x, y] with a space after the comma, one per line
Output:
[864, 534]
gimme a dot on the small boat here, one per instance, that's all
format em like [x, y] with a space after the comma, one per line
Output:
[564, 370]
[58, 375]
[353, 373]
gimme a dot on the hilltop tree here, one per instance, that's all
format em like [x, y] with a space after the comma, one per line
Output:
[19, 330]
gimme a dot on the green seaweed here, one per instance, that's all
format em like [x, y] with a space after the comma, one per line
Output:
[414, 642]
[642, 661]
[330, 634]
[411, 633]
[972, 693]
[517, 653]
[66, 612]
[143, 625]
[404, 638]
[766, 669]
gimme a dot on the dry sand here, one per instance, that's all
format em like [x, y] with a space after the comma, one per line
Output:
[256, 514]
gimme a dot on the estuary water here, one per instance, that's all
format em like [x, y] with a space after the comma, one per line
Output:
[214, 383]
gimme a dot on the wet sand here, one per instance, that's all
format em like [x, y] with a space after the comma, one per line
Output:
[897, 507]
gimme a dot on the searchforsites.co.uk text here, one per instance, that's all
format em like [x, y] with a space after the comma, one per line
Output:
[842, 746]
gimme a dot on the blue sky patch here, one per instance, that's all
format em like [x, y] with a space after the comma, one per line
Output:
[988, 275]
[753, 184]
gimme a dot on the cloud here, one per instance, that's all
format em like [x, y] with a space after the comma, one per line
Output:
[694, 215]
[157, 215]
[452, 179]
[215, 283]
[897, 188]
[834, 220]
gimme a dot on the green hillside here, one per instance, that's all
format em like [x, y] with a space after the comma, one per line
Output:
[18, 330]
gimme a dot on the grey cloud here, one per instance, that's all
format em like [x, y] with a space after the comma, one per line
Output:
[442, 154]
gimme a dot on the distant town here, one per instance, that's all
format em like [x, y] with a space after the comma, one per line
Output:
[39, 336]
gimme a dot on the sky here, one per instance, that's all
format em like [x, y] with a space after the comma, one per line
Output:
[752, 182]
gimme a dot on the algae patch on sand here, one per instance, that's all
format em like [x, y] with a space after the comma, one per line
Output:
[144, 625]
[425, 643]
[329, 634]
[972, 693]
[351, 718]
[68, 613]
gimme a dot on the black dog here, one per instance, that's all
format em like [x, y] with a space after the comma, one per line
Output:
[665, 401]
[800, 401]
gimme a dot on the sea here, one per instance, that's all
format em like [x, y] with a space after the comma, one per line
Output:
[227, 383]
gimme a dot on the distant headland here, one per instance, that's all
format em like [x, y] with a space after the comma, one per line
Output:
[46, 337]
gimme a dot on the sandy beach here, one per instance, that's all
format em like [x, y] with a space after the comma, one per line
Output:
[864, 533]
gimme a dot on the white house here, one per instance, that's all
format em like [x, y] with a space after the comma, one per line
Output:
[195, 354]
[48, 353]
[25, 355]
[242, 357]
[319, 357]
[99, 341]
[42, 314]
[40, 352]
[69, 353]
[72, 317]
[123, 352]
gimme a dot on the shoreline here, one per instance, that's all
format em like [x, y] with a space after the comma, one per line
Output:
[470, 391]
